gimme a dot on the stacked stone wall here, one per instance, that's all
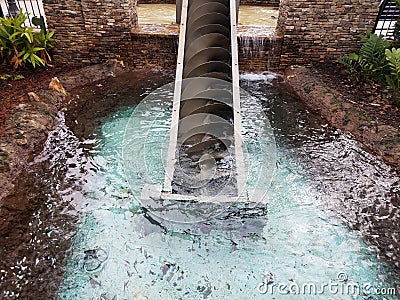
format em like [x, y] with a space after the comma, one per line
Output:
[322, 30]
[259, 53]
[274, 3]
[154, 52]
[91, 31]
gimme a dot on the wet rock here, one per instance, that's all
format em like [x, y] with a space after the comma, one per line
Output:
[56, 85]
[27, 129]
[381, 139]
[93, 73]
[22, 141]
[379, 222]
[33, 97]
[23, 191]
[21, 106]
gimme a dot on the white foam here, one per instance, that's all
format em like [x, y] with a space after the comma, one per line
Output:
[264, 76]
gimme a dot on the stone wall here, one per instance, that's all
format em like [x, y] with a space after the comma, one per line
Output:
[91, 31]
[157, 48]
[156, 2]
[154, 51]
[274, 3]
[322, 30]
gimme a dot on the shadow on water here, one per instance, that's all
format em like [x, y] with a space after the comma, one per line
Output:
[91, 230]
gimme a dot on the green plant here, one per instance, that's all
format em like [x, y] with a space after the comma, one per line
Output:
[8, 76]
[5, 76]
[354, 66]
[18, 77]
[393, 78]
[396, 31]
[46, 40]
[21, 45]
[369, 63]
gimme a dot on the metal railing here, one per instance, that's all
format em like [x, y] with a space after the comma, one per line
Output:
[34, 8]
[387, 18]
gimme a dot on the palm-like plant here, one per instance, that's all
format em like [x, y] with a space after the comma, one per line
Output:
[21, 45]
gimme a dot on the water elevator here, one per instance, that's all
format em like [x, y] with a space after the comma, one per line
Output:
[205, 161]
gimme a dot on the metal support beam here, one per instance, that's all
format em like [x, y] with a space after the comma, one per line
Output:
[240, 166]
[171, 159]
[178, 11]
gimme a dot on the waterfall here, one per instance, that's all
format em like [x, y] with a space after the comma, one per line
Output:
[252, 46]
[259, 45]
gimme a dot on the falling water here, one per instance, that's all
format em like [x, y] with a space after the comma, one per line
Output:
[253, 47]
[259, 44]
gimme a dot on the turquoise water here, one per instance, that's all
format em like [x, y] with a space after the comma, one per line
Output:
[295, 243]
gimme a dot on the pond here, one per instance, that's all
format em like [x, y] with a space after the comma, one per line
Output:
[320, 234]
[248, 15]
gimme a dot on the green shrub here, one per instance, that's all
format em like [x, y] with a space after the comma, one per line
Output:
[374, 62]
[21, 45]
[393, 78]
[396, 31]
[369, 63]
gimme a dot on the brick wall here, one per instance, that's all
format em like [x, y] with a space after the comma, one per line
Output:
[322, 30]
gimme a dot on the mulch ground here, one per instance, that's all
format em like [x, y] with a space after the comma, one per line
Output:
[372, 98]
[16, 84]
